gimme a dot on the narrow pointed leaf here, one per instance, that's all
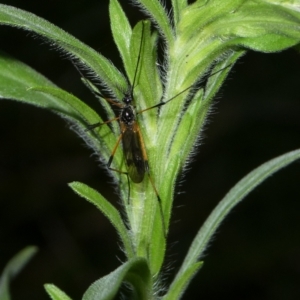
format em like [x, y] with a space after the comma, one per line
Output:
[121, 31]
[108, 210]
[135, 272]
[55, 293]
[21, 83]
[13, 267]
[148, 80]
[176, 290]
[76, 111]
[79, 51]
[68, 105]
[219, 73]
[159, 16]
[15, 80]
[233, 197]
[178, 6]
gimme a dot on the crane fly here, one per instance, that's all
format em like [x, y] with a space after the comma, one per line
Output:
[134, 149]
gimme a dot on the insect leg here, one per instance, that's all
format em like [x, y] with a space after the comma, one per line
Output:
[147, 169]
[159, 203]
[116, 170]
[92, 126]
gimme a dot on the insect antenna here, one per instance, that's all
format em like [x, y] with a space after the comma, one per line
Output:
[132, 86]
[161, 103]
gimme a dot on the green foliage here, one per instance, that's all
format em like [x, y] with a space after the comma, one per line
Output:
[231, 199]
[13, 267]
[134, 272]
[108, 210]
[55, 293]
[204, 38]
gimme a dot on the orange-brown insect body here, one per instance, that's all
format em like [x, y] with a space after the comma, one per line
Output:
[133, 144]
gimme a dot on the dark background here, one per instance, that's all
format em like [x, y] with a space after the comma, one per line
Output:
[256, 252]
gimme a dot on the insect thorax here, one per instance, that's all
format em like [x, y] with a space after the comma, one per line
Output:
[128, 115]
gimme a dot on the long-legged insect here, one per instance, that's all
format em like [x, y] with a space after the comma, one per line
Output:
[132, 140]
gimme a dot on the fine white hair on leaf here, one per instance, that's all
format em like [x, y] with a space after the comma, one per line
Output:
[61, 48]
[58, 46]
[144, 10]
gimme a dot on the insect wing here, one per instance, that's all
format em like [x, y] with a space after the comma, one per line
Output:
[133, 155]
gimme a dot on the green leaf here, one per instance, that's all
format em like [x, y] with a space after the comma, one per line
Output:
[16, 78]
[178, 6]
[80, 52]
[159, 16]
[135, 272]
[233, 197]
[20, 82]
[223, 25]
[263, 26]
[55, 293]
[195, 115]
[177, 289]
[108, 210]
[259, 25]
[121, 31]
[148, 86]
[219, 73]
[67, 105]
[76, 111]
[205, 34]
[13, 267]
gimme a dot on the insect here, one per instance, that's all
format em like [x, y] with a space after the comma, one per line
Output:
[134, 149]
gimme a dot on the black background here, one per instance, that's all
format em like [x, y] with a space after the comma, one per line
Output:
[256, 252]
